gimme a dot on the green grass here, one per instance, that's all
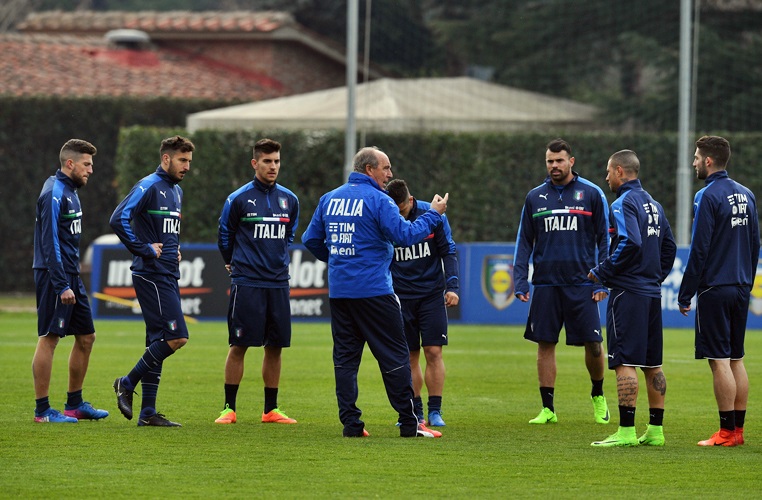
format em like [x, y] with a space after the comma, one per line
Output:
[488, 449]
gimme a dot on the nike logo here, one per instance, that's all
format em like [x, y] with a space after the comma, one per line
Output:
[606, 418]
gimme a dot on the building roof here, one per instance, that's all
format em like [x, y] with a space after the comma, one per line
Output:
[74, 66]
[456, 104]
[171, 23]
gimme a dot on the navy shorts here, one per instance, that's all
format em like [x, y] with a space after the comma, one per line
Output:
[570, 306]
[259, 316]
[159, 298]
[425, 321]
[57, 318]
[721, 314]
[634, 330]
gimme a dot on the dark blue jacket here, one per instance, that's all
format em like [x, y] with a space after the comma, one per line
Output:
[256, 228]
[724, 240]
[353, 228]
[417, 269]
[642, 247]
[151, 214]
[565, 230]
[57, 229]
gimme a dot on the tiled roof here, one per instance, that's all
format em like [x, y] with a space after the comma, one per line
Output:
[152, 22]
[60, 65]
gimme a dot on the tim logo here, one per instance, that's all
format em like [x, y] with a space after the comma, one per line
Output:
[497, 280]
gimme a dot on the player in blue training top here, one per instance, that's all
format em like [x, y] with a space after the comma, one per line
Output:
[422, 273]
[147, 221]
[721, 268]
[352, 229]
[62, 304]
[564, 228]
[256, 228]
[640, 258]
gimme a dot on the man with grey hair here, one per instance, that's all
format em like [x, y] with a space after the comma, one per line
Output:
[352, 229]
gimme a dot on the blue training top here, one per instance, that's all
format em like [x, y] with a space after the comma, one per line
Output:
[353, 228]
[725, 237]
[57, 230]
[256, 228]
[417, 270]
[151, 214]
[642, 247]
[565, 230]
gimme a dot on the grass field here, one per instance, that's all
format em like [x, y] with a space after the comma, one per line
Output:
[488, 449]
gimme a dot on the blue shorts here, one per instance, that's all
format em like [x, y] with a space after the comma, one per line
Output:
[570, 306]
[159, 298]
[57, 318]
[634, 330]
[259, 316]
[425, 321]
[721, 314]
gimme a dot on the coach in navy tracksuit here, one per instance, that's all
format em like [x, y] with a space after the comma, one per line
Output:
[564, 230]
[352, 229]
[256, 228]
[147, 222]
[62, 304]
[641, 256]
[721, 268]
[422, 273]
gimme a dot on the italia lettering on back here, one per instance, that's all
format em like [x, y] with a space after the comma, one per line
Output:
[344, 207]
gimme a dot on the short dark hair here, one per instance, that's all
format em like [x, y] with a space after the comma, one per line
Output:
[716, 148]
[366, 156]
[397, 189]
[75, 147]
[626, 159]
[265, 147]
[176, 144]
[558, 145]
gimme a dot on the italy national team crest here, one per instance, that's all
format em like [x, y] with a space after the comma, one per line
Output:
[283, 203]
[497, 280]
[579, 195]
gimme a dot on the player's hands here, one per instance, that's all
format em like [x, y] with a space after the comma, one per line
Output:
[439, 203]
[229, 269]
[684, 309]
[157, 248]
[523, 297]
[599, 296]
[451, 299]
[592, 277]
[68, 297]
[179, 255]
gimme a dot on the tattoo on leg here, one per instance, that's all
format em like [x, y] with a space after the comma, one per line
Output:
[659, 383]
[596, 350]
[627, 389]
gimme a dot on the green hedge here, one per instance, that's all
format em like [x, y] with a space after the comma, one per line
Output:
[32, 131]
[487, 175]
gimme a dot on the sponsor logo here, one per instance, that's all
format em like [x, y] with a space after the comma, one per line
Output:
[497, 280]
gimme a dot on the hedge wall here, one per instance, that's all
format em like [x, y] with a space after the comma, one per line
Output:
[32, 131]
[487, 175]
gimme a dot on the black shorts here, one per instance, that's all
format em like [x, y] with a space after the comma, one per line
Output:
[57, 318]
[425, 321]
[259, 316]
[572, 307]
[634, 330]
[721, 314]
[159, 298]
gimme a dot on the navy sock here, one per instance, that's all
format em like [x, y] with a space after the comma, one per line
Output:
[740, 418]
[435, 403]
[655, 416]
[74, 399]
[547, 394]
[597, 388]
[271, 399]
[41, 405]
[154, 354]
[150, 386]
[231, 391]
[728, 420]
[626, 416]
